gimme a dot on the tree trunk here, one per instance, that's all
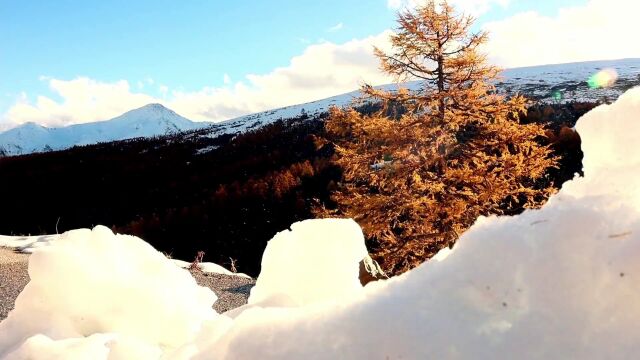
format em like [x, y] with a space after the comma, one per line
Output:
[440, 71]
[441, 105]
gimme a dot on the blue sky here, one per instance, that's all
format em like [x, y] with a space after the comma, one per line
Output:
[188, 44]
[162, 47]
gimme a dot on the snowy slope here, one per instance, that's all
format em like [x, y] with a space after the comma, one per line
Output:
[543, 83]
[570, 81]
[149, 120]
[546, 83]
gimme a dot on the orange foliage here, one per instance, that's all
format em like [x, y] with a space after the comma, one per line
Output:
[418, 172]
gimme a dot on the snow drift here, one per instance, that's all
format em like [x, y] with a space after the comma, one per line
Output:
[28, 244]
[92, 282]
[559, 282]
[317, 260]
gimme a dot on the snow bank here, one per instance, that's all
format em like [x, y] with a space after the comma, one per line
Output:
[559, 282]
[28, 244]
[94, 282]
[317, 260]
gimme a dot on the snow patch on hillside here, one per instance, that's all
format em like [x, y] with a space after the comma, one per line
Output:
[559, 282]
[547, 83]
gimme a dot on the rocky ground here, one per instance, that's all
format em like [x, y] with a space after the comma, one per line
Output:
[13, 278]
[232, 291]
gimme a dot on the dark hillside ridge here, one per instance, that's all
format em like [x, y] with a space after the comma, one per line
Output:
[225, 195]
[227, 201]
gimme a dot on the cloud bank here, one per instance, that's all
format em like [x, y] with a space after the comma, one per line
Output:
[597, 30]
[321, 71]
[473, 7]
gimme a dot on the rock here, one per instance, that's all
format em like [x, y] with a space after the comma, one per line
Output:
[370, 271]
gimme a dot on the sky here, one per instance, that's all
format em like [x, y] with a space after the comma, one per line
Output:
[73, 61]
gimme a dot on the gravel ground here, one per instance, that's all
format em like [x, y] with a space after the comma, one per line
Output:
[13, 278]
[232, 291]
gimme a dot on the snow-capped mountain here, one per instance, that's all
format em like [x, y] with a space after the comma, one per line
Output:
[149, 120]
[546, 83]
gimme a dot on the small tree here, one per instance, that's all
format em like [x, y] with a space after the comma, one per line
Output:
[419, 171]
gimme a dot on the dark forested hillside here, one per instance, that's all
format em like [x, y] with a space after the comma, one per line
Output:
[227, 200]
[226, 195]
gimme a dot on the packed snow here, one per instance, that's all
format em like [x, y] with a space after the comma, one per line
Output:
[77, 292]
[559, 282]
[293, 259]
[28, 244]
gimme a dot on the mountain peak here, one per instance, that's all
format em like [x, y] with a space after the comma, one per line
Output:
[156, 106]
[31, 124]
[151, 112]
[149, 120]
[28, 126]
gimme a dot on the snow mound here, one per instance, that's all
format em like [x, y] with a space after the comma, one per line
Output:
[317, 260]
[558, 282]
[92, 282]
[28, 244]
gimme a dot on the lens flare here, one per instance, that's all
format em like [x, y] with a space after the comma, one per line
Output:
[603, 78]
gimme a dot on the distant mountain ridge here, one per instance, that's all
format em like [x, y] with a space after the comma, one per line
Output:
[149, 120]
[545, 83]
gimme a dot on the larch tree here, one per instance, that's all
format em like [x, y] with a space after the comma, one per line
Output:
[422, 168]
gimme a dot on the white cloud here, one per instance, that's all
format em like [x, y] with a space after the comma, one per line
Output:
[600, 29]
[336, 27]
[394, 4]
[597, 30]
[226, 79]
[83, 100]
[322, 70]
[163, 89]
[473, 7]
